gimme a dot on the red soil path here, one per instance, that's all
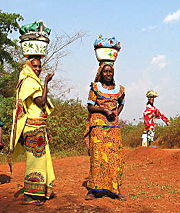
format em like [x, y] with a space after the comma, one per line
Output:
[150, 184]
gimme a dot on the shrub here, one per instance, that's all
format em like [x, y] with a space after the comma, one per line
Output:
[67, 126]
[131, 134]
[169, 137]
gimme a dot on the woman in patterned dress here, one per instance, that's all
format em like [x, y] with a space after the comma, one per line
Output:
[29, 131]
[105, 102]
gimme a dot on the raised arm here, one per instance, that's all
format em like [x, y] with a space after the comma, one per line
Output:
[41, 100]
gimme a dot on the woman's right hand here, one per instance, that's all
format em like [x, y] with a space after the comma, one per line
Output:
[49, 77]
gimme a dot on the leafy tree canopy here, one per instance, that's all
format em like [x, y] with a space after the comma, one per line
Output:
[9, 50]
[8, 24]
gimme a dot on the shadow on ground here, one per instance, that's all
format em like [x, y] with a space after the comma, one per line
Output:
[4, 179]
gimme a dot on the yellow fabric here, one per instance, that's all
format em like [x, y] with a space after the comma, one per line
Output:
[38, 168]
[29, 87]
[39, 174]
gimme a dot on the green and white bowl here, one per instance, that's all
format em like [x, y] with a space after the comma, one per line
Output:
[34, 47]
[106, 53]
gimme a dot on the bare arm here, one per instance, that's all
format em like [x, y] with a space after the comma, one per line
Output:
[41, 100]
[159, 115]
[120, 108]
[120, 103]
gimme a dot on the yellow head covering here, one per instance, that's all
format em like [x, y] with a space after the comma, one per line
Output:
[151, 94]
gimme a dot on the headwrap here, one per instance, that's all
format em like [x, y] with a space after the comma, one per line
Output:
[27, 71]
[101, 66]
[151, 94]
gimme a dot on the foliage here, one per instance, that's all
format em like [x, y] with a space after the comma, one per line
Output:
[131, 134]
[8, 24]
[67, 126]
[8, 82]
[6, 109]
[9, 52]
[169, 137]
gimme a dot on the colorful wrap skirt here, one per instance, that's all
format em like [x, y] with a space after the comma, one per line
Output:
[39, 174]
[106, 159]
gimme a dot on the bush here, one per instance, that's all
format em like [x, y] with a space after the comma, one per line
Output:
[67, 126]
[6, 110]
[131, 134]
[169, 137]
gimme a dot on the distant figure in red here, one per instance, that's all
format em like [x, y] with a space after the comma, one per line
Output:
[150, 114]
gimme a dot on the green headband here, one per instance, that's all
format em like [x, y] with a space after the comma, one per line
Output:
[107, 63]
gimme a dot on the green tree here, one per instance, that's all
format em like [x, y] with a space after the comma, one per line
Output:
[8, 24]
[9, 65]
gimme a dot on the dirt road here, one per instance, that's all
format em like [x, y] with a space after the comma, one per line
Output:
[150, 183]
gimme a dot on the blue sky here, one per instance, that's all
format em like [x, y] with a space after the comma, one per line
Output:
[149, 33]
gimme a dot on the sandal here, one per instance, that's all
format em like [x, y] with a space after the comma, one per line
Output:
[29, 200]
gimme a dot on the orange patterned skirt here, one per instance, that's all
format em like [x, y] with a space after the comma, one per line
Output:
[106, 161]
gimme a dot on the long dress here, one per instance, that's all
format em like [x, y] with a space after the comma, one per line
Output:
[29, 131]
[105, 143]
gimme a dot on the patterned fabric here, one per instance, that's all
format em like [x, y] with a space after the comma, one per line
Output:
[150, 135]
[35, 177]
[39, 174]
[34, 183]
[105, 147]
[151, 113]
[35, 142]
[20, 109]
[29, 125]
[107, 42]
[108, 100]
[36, 121]
[33, 188]
[35, 27]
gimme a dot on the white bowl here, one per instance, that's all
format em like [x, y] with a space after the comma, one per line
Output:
[106, 53]
[34, 47]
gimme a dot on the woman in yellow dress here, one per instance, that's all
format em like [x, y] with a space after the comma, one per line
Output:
[29, 131]
[105, 102]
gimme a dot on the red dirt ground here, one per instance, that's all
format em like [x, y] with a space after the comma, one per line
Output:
[150, 184]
